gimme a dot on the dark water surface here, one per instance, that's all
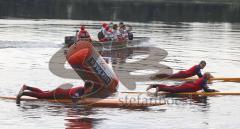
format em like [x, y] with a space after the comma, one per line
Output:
[26, 46]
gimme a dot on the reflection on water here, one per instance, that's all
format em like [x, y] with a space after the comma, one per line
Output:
[124, 64]
[74, 116]
[133, 10]
[82, 123]
[190, 99]
[78, 117]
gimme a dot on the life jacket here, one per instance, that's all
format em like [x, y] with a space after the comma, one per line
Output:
[83, 34]
[108, 34]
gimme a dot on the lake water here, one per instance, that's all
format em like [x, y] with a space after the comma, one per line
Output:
[26, 47]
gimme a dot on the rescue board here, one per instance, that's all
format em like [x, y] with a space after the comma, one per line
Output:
[187, 93]
[193, 79]
[94, 102]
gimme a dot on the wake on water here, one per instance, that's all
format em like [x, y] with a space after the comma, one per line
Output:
[28, 44]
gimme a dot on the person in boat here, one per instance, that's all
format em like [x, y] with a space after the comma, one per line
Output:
[121, 24]
[116, 34]
[83, 34]
[195, 70]
[63, 93]
[123, 31]
[108, 34]
[100, 34]
[193, 86]
[126, 33]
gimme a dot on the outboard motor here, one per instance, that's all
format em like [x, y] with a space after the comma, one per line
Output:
[69, 40]
[130, 36]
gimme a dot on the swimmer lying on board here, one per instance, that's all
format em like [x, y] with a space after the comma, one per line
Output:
[200, 84]
[195, 70]
[71, 93]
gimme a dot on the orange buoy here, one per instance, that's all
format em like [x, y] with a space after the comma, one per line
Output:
[90, 65]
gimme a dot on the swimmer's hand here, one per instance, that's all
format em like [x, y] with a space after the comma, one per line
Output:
[211, 90]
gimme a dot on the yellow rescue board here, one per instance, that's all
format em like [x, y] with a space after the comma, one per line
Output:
[93, 102]
[188, 93]
[212, 79]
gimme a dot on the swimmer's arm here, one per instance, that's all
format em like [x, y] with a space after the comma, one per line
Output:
[199, 73]
[207, 89]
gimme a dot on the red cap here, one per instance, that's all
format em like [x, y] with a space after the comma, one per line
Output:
[104, 25]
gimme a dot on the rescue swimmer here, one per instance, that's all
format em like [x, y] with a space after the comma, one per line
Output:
[194, 70]
[192, 86]
[71, 93]
[83, 34]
